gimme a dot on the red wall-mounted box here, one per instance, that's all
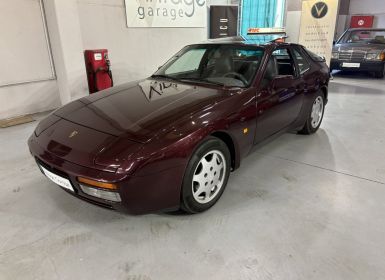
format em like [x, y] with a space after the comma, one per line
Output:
[361, 21]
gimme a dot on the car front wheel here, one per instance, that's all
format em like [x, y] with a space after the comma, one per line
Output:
[315, 117]
[206, 176]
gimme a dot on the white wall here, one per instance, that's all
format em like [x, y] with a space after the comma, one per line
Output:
[367, 7]
[76, 25]
[67, 48]
[222, 2]
[28, 98]
[134, 52]
[293, 22]
[31, 97]
[342, 24]
[372, 7]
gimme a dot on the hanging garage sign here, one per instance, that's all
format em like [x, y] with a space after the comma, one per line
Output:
[166, 13]
[318, 23]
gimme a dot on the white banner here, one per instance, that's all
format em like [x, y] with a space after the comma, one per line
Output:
[166, 13]
[318, 23]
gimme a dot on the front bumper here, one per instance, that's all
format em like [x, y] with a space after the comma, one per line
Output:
[365, 66]
[139, 194]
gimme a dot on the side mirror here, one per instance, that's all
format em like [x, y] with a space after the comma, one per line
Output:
[281, 81]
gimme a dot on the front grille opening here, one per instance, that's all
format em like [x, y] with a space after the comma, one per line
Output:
[352, 55]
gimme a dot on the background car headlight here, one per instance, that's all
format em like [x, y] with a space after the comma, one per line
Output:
[335, 55]
[372, 56]
[376, 56]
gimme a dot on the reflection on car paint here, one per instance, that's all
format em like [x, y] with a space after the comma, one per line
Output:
[285, 96]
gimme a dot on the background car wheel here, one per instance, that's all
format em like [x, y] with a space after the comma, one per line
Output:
[206, 176]
[314, 120]
[380, 74]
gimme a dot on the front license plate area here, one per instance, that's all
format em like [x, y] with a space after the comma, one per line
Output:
[59, 180]
[351, 65]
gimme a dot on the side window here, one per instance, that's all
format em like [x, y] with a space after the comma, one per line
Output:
[189, 61]
[303, 65]
[285, 63]
[271, 71]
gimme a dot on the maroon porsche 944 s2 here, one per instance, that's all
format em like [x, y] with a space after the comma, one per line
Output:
[170, 141]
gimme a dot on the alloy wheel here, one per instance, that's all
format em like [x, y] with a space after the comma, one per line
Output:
[209, 176]
[317, 112]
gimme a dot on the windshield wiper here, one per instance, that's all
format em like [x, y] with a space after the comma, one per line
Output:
[165, 77]
[199, 80]
[206, 81]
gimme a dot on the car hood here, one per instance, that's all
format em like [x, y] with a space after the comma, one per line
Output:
[103, 130]
[83, 146]
[359, 47]
[140, 110]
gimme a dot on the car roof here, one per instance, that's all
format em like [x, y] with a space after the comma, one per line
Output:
[366, 29]
[259, 41]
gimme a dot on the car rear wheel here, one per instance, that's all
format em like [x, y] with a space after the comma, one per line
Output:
[380, 74]
[315, 117]
[206, 176]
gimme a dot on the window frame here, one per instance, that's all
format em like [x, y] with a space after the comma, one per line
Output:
[304, 56]
[204, 58]
[290, 52]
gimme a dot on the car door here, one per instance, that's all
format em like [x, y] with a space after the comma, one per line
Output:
[280, 95]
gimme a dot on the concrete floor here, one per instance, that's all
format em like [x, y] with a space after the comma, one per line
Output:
[302, 207]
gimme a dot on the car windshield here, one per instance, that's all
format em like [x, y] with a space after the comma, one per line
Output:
[225, 65]
[364, 36]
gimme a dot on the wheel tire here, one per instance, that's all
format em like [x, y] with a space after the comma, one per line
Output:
[380, 74]
[205, 164]
[312, 124]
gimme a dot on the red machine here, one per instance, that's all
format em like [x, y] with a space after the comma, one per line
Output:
[98, 70]
[362, 21]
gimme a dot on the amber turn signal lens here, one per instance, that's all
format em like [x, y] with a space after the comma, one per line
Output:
[98, 184]
[382, 56]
